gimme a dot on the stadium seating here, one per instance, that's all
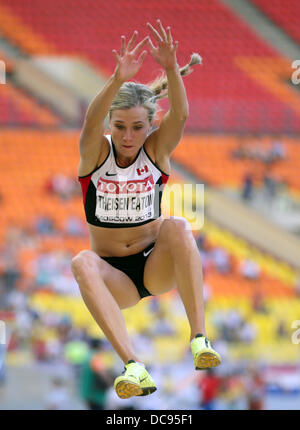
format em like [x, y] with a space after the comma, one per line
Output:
[229, 94]
[284, 14]
[18, 108]
[228, 292]
[36, 156]
[224, 95]
[211, 158]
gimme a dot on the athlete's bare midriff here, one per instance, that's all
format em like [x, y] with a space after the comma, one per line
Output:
[120, 242]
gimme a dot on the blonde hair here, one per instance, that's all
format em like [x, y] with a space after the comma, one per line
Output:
[133, 94]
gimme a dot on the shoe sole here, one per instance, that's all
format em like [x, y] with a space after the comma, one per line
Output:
[207, 360]
[148, 390]
[126, 389]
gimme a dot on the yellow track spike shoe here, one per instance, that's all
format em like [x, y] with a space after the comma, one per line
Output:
[204, 355]
[135, 381]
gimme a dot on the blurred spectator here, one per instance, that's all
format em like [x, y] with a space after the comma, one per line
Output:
[233, 319]
[44, 225]
[255, 390]
[231, 325]
[65, 284]
[233, 328]
[221, 260]
[2, 366]
[207, 263]
[251, 149]
[222, 346]
[277, 151]
[247, 187]
[39, 348]
[271, 186]
[53, 269]
[207, 293]
[258, 303]
[154, 305]
[144, 342]
[45, 343]
[74, 226]
[162, 325]
[3, 296]
[201, 242]
[75, 353]
[23, 325]
[247, 332]
[58, 398]
[9, 274]
[249, 269]
[63, 186]
[281, 331]
[228, 325]
[209, 386]
[258, 152]
[204, 249]
[241, 151]
[64, 328]
[233, 391]
[19, 236]
[95, 379]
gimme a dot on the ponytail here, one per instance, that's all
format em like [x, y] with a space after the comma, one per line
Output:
[160, 85]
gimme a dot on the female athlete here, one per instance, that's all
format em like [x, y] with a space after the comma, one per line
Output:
[135, 252]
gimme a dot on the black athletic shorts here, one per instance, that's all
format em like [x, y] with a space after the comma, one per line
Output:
[133, 266]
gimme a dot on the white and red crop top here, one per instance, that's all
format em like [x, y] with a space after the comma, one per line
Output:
[115, 196]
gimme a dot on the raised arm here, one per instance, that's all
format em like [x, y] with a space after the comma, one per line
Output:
[91, 137]
[167, 136]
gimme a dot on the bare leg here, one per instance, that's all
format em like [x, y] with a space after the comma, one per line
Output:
[175, 261]
[105, 291]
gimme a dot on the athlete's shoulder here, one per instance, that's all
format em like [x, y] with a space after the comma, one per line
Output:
[105, 149]
[162, 163]
[86, 168]
[149, 146]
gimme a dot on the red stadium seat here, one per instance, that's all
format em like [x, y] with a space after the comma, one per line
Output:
[285, 14]
[224, 97]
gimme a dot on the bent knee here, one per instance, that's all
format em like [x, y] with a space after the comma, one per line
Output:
[176, 232]
[85, 261]
[176, 226]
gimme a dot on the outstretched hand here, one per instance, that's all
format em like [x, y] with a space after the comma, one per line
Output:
[165, 52]
[127, 62]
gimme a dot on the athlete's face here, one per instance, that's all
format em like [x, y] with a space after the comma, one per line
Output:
[129, 129]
